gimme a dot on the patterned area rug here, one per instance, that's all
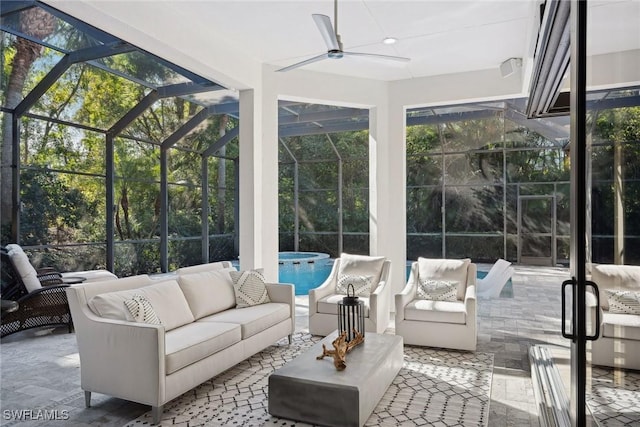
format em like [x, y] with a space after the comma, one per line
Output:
[615, 397]
[434, 387]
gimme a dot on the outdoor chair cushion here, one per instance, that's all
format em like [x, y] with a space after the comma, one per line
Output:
[621, 326]
[361, 265]
[24, 268]
[445, 269]
[329, 305]
[436, 311]
[610, 276]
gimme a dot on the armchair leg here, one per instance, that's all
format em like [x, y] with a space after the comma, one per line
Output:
[156, 413]
[290, 338]
[87, 399]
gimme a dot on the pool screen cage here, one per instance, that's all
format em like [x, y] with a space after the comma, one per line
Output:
[141, 175]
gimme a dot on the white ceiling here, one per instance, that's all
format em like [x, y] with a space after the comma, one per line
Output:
[440, 37]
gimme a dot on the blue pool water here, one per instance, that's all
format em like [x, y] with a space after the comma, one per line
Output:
[306, 270]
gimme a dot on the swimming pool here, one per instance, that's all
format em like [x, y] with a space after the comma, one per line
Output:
[306, 270]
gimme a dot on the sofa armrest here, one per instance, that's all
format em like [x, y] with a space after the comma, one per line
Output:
[120, 358]
[284, 293]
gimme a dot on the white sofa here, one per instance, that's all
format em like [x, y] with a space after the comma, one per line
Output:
[439, 323]
[619, 342]
[323, 300]
[202, 333]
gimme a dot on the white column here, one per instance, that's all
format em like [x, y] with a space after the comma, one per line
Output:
[258, 165]
[387, 189]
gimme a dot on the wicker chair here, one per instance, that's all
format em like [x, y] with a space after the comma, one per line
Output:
[44, 306]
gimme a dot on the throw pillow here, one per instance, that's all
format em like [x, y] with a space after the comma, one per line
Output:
[141, 310]
[624, 302]
[249, 288]
[437, 290]
[361, 285]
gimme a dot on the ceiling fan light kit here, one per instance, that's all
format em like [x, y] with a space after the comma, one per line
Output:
[335, 49]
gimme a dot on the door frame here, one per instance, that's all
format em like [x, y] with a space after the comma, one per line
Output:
[547, 261]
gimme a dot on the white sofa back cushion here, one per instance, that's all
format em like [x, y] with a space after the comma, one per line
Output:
[208, 292]
[362, 265]
[24, 268]
[454, 270]
[610, 276]
[166, 298]
[199, 268]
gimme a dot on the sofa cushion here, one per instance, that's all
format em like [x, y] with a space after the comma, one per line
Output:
[208, 292]
[141, 310]
[436, 311]
[167, 300]
[193, 342]
[252, 320]
[361, 285]
[361, 265]
[205, 267]
[437, 290]
[445, 269]
[611, 276]
[329, 305]
[249, 288]
[24, 268]
[616, 325]
[623, 302]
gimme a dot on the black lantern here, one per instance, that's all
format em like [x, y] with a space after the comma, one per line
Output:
[350, 315]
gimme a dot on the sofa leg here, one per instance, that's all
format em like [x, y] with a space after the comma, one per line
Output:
[156, 413]
[87, 399]
[290, 338]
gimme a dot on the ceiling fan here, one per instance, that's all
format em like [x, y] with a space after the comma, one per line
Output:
[334, 44]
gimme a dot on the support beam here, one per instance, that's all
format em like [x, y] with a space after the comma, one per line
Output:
[9, 7]
[110, 201]
[210, 151]
[164, 212]
[63, 65]
[184, 130]
[387, 189]
[132, 114]
[204, 215]
[15, 177]
[259, 179]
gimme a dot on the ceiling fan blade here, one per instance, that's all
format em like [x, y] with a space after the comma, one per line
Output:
[305, 62]
[324, 25]
[376, 56]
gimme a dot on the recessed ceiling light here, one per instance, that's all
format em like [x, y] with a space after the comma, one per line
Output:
[389, 40]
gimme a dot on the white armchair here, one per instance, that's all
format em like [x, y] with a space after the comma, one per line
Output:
[618, 344]
[323, 300]
[449, 318]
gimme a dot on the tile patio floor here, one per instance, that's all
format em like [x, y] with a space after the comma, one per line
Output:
[40, 369]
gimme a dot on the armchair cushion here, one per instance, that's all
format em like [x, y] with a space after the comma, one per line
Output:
[361, 285]
[437, 290]
[621, 326]
[249, 288]
[329, 305]
[361, 265]
[610, 276]
[208, 292]
[436, 311]
[623, 302]
[445, 269]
